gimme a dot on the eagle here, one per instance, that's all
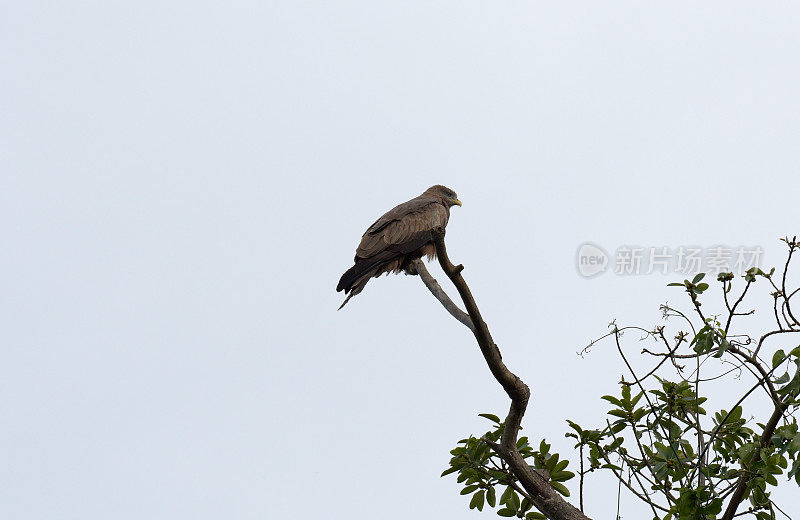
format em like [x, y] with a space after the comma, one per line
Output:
[402, 234]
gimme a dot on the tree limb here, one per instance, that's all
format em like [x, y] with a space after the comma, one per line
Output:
[542, 494]
[418, 267]
[741, 484]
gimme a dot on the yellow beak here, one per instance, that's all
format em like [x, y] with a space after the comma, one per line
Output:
[456, 201]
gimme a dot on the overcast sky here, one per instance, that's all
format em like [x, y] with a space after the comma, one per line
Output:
[183, 183]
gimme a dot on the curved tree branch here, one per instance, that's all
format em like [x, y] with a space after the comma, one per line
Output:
[542, 494]
[418, 267]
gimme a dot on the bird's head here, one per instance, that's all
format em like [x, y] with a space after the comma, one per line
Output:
[448, 196]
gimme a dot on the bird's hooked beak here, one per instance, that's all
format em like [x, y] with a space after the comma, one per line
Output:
[455, 202]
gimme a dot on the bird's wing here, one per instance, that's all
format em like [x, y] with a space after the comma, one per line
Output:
[404, 229]
[401, 210]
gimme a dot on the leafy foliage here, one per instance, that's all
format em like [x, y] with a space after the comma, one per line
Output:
[484, 473]
[659, 438]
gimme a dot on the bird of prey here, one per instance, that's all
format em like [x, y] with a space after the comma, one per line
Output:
[401, 235]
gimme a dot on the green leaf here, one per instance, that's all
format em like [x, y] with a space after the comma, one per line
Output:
[477, 501]
[619, 426]
[544, 448]
[575, 427]
[561, 476]
[469, 489]
[778, 358]
[507, 494]
[746, 450]
[506, 512]
[613, 400]
[551, 463]
[561, 488]
[448, 471]
[490, 496]
[795, 444]
[626, 394]
[698, 277]
[723, 347]
[782, 379]
[492, 417]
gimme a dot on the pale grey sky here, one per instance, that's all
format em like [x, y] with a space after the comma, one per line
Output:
[182, 184]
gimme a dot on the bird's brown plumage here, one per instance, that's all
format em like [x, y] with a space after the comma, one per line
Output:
[401, 235]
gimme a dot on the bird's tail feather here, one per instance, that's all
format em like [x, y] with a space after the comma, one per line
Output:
[362, 267]
[348, 279]
[356, 288]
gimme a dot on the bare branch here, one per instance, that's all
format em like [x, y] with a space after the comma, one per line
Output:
[437, 291]
[732, 310]
[542, 494]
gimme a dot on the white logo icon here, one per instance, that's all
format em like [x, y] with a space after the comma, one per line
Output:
[592, 260]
